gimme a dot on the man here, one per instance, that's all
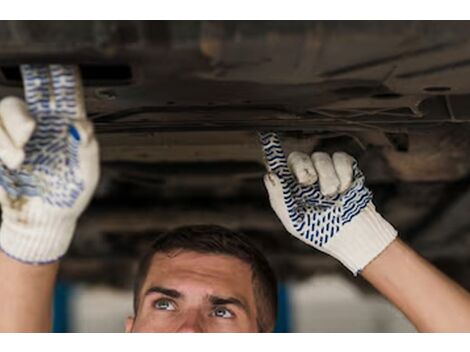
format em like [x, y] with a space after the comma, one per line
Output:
[203, 279]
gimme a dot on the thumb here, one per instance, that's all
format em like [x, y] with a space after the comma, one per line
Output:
[4, 199]
[282, 201]
[82, 131]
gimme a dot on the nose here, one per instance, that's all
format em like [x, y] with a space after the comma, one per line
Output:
[191, 324]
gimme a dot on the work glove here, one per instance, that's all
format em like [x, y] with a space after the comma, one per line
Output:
[49, 164]
[323, 201]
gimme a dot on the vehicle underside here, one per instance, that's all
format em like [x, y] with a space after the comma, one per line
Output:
[177, 106]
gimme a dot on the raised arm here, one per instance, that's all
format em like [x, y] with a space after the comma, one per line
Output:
[323, 201]
[49, 169]
[430, 300]
[26, 293]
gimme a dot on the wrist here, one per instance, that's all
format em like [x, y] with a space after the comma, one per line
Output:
[361, 240]
[37, 237]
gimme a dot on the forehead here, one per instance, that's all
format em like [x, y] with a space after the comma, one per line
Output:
[182, 269]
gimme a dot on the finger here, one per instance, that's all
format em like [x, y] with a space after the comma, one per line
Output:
[329, 182]
[343, 164]
[4, 199]
[82, 131]
[68, 91]
[275, 158]
[358, 175]
[301, 166]
[38, 88]
[10, 155]
[9, 185]
[18, 123]
[90, 165]
[281, 201]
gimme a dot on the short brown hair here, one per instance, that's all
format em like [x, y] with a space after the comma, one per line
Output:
[218, 240]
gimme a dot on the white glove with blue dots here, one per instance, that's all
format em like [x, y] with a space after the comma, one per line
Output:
[49, 164]
[323, 201]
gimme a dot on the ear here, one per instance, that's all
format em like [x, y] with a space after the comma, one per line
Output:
[129, 324]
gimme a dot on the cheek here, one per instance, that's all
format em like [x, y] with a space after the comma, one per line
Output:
[230, 328]
[172, 323]
[241, 324]
[156, 322]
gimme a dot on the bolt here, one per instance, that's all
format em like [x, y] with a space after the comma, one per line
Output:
[106, 94]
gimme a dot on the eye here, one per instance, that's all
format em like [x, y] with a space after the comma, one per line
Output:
[221, 312]
[164, 304]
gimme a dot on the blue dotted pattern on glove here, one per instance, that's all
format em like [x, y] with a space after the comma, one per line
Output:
[50, 168]
[315, 217]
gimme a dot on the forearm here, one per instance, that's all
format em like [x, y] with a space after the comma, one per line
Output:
[49, 169]
[26, 293]
[430, 300]
[323, 201]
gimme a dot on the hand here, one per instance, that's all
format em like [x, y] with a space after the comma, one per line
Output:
[49, 165]
[323, 201]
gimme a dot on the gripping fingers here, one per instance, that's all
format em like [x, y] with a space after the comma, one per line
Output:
[68, 91]
[38, 88]
[16, 127]
[90, 165]
[301, 166]
[329, 182]
[274, 154]
[277, 194]
[16, 120]
[343, 164]
[10, 155]
[82, 130]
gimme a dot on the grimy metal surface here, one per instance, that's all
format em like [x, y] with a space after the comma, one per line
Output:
[254, 74]
[176, 105]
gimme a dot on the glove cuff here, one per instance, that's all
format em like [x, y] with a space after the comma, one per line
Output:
[38, 239]
[361, 240]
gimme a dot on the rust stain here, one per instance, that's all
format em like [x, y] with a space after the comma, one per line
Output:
[212, 40]
[17, 203]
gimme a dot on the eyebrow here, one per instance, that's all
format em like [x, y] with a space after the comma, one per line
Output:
[163, 290]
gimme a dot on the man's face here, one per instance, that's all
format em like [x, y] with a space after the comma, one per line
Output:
[187, 291]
